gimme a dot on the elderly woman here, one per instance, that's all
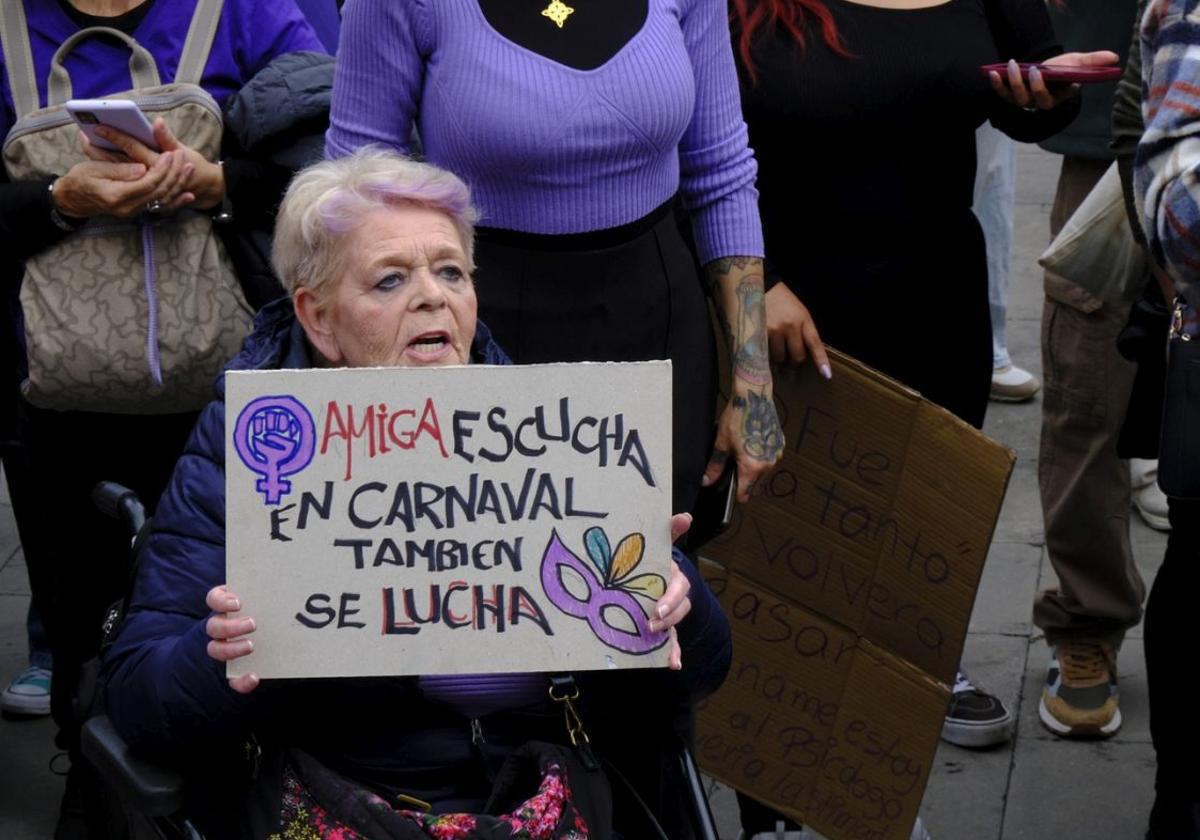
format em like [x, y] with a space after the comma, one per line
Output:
[377, 253]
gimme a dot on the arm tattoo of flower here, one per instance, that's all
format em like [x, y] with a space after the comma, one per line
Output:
[760, 425]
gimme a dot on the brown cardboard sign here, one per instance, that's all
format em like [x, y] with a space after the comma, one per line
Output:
[849, 581]
[451, 520]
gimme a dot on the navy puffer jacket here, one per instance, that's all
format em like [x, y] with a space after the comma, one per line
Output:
[165, 695]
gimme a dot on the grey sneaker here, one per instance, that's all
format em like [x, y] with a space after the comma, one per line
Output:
[1080, 697]
[975, 718]
[28, 694]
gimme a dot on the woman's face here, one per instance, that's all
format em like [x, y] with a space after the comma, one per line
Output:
[405, 299]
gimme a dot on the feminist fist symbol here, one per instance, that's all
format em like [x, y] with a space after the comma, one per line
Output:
[274, 437]
[615, 588]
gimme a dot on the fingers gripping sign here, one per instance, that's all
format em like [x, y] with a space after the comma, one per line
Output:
[227, 634]
[606, 583]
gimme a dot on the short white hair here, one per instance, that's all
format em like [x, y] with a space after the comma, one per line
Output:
[328, 200]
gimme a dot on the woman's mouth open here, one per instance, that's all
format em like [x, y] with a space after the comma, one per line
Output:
[430, 348]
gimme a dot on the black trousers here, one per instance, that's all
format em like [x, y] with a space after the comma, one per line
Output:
[1170, 630]
[622, 295]
[83, 566]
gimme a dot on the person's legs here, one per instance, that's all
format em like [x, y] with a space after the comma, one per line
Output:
[1169, 629]
[28, 693]
[995, 195]
[995, 192]
[86, 555]
[1085, 493]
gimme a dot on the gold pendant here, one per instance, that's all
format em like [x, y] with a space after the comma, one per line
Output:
[558, 11]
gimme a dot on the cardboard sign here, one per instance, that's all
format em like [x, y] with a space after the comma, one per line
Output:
[451, 520]
[849, 581]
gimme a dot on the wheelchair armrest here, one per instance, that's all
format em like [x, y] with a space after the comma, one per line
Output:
[702, 817]
[146, 788]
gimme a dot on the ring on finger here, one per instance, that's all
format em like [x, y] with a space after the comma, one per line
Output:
[155, 207]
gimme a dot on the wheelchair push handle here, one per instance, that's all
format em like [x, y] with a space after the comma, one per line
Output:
[119, 502]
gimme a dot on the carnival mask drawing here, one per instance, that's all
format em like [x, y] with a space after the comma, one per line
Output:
[611, 584]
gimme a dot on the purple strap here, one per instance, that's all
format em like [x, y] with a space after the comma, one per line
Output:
[148, 263]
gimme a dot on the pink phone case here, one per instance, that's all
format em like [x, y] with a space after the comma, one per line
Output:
[1060, 73]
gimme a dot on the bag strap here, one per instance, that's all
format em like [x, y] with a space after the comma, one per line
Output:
[143, 70]
[14, 41]
[199, 41]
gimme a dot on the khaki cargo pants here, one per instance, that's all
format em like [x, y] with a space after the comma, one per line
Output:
[1084, 486]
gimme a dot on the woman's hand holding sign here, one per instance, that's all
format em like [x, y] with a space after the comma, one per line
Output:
[675, 604]
[227, 634]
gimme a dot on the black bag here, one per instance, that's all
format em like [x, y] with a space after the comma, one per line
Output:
[1142, 341]
[1179, 455]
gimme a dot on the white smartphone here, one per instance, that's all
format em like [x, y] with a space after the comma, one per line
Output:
[121, 114]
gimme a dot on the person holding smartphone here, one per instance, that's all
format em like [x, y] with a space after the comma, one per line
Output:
[862, 114]
[69, 451]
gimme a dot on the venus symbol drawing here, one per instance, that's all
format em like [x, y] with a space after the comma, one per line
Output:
[275, 437]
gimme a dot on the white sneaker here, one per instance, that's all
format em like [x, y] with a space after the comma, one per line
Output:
[1142, 471]
[28, 693]
[1013, 384]
[1151, 502]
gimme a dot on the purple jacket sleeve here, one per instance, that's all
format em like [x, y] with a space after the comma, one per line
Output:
[289, 31]
[380, 72]
[717, 168]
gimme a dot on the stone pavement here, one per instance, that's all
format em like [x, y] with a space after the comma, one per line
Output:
[1034, 788]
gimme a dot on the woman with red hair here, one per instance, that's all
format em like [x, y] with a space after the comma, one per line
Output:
[862, 114]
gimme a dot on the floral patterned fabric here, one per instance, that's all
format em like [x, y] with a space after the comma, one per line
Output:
[550, 814]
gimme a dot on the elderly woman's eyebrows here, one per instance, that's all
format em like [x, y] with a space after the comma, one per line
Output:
[417, 255]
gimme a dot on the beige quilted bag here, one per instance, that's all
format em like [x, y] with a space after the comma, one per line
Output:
[126, 316]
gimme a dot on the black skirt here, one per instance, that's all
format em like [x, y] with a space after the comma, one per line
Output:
[626, 294]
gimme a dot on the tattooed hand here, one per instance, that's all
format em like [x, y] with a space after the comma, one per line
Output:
[748, 428]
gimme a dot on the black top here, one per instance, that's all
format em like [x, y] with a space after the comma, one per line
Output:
[592, 31]
[867, 163]
[126, 22]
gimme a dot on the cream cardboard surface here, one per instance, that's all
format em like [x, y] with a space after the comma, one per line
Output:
[451, 520]
[849, 581]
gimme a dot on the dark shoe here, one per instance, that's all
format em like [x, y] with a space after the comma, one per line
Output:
[1174, 819]
[975, 718]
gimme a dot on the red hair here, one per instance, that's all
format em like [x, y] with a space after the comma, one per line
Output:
[794, 16]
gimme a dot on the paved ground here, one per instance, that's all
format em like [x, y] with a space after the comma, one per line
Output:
[1034, 788]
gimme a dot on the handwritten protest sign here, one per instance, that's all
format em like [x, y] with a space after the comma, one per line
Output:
[849, 581]
[453, 520]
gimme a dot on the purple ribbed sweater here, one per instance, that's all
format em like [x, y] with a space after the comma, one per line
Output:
[547, 148]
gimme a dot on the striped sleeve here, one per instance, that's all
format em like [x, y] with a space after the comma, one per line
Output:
[1167, 164]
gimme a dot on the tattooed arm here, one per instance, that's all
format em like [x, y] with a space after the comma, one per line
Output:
[749, 428]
